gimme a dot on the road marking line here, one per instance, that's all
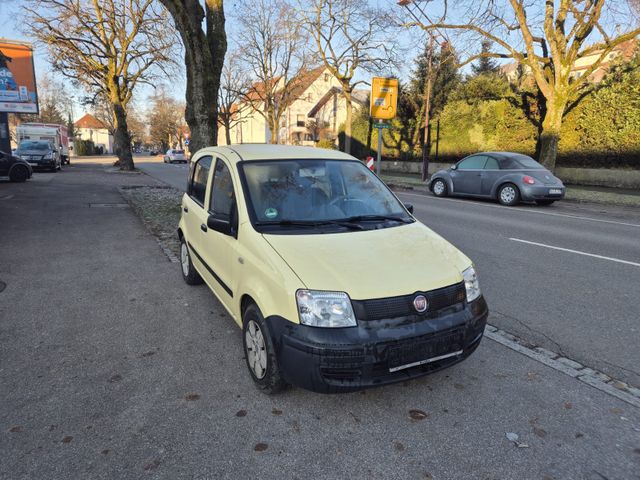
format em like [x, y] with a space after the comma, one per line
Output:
[627, 262]
[512, 209]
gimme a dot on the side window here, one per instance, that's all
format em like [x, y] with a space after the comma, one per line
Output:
[473, 163]
[492, 164]
[198, 184]
[222, 196]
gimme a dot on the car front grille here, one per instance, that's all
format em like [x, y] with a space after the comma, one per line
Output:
[402, 306]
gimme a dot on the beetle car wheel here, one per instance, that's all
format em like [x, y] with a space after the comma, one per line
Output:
[439, 188]
[260, 353]
[189, 274]
[508, 195]
[19, 174]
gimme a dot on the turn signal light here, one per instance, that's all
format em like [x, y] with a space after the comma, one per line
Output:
[529, 180]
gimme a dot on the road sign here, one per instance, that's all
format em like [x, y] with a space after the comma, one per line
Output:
[381, 125]
[370, 164]
[384, 98]
[186, 142]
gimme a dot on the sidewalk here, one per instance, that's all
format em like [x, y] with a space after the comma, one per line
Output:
[111, 367]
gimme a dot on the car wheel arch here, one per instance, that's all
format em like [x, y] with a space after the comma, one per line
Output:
[502, 182]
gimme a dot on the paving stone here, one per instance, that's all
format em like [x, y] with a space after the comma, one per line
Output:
[570, 363]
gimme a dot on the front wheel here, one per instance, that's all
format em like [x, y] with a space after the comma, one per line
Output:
[439, 188]
[260, 353]
[544, 203]
[508, 195]
[19, 174]
[189, 273]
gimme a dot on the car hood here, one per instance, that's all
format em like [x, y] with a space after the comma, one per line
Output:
[372, 263]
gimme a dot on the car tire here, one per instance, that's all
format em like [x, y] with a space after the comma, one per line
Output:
[508, 195]
[189, 273]
[260, 353]
[544, 203]
[19, 174]
[439, 188]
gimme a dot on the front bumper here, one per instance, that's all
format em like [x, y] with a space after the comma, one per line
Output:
[541, 192]
[331, 360]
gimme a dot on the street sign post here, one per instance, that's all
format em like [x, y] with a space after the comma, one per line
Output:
[383, 106]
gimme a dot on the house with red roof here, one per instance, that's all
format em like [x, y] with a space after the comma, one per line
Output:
[89, 127]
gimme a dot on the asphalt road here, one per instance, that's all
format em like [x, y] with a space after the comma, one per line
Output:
[582, 303]
[111, 367]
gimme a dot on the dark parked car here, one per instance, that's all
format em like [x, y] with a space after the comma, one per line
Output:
[504, 176]
[15, 168]
[40, 154]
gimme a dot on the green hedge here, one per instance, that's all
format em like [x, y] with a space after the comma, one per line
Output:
[84, 147]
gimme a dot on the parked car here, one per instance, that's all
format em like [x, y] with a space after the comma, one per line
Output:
[40, 154]
[175, 156]
[14, 167]
[335, 284]
[504, 176]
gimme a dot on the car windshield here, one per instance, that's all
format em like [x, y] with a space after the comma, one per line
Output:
[311, 192]
[32, 145]
[179, 152]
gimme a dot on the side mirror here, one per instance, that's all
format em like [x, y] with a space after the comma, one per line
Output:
[219, 225]
[454, 167]
[409, 207]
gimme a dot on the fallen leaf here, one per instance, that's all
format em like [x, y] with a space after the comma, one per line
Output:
[568, 405]
[616, 410]
[533, 376]
[152, 465]
[418, 414]
[115, 378]
[148, 354]
[16, 429]
[458, 386]
[275, 411]
[105, 451]
[260, 447]
[67, 439]
[539, 432]
[513, 437]
[399, 447]
[579, 435]
[192, 397]
[241, 413]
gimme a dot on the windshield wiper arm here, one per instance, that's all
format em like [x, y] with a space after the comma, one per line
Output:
[310, 223]
[360, 218]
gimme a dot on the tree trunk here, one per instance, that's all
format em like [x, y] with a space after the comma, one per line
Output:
[227, 133]
[122, 140]
[547, 147]
[346, 92]
[203, 70]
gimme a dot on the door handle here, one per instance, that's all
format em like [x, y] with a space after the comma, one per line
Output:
[203, 227]
[185, 209]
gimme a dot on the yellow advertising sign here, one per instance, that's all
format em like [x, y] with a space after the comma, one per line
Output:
[384, 98]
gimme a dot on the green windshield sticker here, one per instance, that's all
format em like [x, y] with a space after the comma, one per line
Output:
[271, 213]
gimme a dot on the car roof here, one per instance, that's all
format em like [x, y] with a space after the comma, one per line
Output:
[502, 154]
[262, 151]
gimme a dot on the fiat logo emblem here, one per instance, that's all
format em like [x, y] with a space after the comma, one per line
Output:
[420, 303]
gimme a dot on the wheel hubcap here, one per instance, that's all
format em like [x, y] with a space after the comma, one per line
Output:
[508, 194]
[256, 349]
[184, 259]
[438, 188]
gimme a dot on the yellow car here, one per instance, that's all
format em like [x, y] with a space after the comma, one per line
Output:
[337, 287]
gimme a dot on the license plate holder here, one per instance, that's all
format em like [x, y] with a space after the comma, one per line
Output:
[427, 351]
[555, 191]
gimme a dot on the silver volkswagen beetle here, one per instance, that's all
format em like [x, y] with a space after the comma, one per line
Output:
[505, 176]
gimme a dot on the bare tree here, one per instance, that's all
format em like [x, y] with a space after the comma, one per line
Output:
[234, 85]
[274, 48]
[349, 35]
[165, 120]
[546, 39]
[107, 46]
[204, 52]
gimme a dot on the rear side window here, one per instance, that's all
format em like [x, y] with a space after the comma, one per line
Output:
[492, 164]
[473, 163]
[222, 196]
[198, 184]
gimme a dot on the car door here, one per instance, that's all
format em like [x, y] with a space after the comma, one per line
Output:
[467, 177]
[194, 211]
[490, 175]
[219, 250]
[4, 164]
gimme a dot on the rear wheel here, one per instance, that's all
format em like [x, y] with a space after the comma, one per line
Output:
[189, 273]
[19, 174]
[259, 352]
[544, 203]
[508, 194]
[439, 188]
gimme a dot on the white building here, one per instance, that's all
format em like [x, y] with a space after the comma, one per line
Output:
[90, 128]
[318, 99]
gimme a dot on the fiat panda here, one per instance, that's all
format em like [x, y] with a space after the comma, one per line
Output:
[335, 284]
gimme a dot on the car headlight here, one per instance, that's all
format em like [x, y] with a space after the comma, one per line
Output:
[325, 309]
[471, 284]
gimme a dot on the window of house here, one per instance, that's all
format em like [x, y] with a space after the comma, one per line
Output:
[300, 120]
[326, 77]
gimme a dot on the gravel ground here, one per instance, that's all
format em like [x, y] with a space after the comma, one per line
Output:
[159, 209]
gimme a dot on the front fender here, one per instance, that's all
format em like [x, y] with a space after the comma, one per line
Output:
[443, 175]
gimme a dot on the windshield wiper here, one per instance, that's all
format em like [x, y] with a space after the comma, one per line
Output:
[364, 218]
[309, 223]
